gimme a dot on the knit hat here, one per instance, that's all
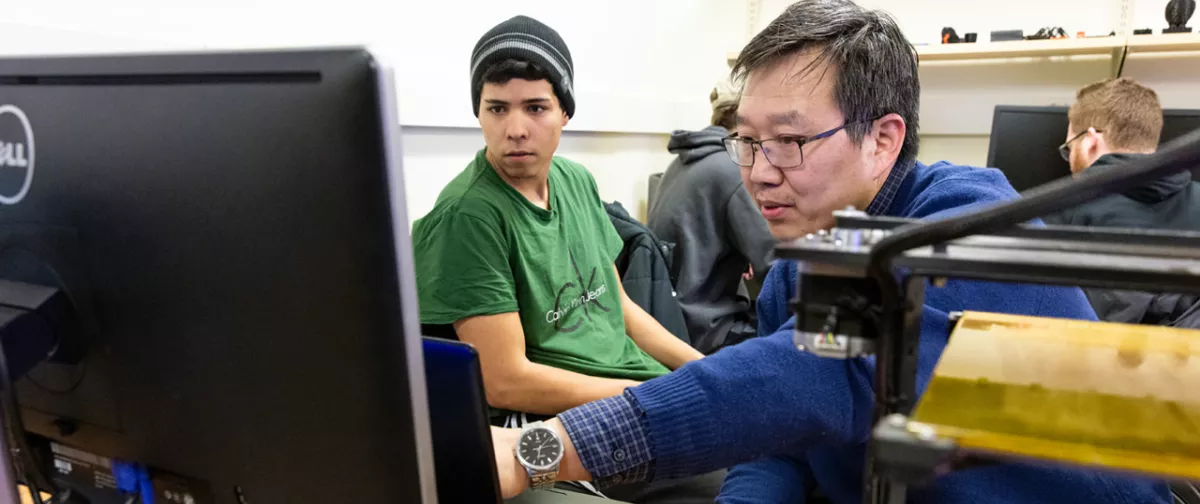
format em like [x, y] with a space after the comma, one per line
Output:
[525, 39]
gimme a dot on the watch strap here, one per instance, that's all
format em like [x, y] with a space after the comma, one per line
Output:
[541, 480]
[544, 478]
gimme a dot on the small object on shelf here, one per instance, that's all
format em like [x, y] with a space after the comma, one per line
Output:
[1049, 32]
[1080, 35]
[1178, 13]
[1007, 35]
[1143, 31]
[949, 36]
[970, 38]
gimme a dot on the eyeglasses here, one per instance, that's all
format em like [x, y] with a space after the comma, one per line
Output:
[782, 152]
[1065, 148]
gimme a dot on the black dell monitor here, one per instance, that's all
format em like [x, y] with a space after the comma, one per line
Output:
[231, 233]
[1024, 142]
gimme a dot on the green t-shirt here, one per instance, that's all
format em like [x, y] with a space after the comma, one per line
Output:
[485, 249]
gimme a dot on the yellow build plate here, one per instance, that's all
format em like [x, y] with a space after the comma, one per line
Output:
[1090, 393]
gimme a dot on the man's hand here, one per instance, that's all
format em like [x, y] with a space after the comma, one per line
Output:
[513, 478]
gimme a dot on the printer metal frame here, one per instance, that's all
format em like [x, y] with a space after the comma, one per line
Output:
[839, 312]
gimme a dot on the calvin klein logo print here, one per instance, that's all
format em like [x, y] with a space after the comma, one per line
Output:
[572, 296]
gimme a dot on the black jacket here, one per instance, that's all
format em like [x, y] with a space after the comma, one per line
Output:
[703, 208]
[645, 268]
[1167, 203]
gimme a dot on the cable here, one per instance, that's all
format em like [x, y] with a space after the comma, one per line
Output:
[1121, 65]
[81, 373]
[24, 464]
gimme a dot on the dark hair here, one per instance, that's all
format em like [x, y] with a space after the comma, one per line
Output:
[503, 71]
[876, 66]
[1128, 113]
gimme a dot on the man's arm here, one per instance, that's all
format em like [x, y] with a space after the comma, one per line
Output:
[767, 481]
[777, 291]
[652, 337]
[759, 398]
[512, 382]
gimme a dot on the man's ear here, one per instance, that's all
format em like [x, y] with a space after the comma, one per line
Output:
[566, 119]
[1093, 146]
[889, 132]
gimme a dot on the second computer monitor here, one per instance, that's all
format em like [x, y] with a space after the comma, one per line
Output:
[1024, 142]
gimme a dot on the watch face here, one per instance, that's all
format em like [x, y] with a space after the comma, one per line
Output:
[540, 448]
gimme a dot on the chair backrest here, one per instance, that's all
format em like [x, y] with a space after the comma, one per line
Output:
[652, 191]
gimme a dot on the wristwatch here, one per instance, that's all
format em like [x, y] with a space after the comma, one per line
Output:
[539, 450]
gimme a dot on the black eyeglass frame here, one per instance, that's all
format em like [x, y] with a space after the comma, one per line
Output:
[756, 145]
[1064, 150]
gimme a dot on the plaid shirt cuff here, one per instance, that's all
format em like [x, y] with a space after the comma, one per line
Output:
[610, 437]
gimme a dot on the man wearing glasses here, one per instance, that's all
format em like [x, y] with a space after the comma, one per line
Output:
[827, 119]
[1113, 122]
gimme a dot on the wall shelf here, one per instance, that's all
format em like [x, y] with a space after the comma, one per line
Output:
[1020, 49]
[1099, 46]
[1167, 42]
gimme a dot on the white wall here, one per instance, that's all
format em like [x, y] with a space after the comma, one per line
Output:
[969, 150]
[1152, 14]
[1175, 77]
[621, 163]
[643, 68]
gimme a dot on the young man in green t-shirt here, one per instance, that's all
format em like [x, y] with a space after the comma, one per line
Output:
[518, 253]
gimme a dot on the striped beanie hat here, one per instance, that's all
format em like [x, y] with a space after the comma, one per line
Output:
[525, 39]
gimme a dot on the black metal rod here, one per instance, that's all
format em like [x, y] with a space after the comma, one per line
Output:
[1181, 154]
[1141, 236]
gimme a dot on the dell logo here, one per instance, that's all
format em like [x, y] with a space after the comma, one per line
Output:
[16, 155]
[13, 154]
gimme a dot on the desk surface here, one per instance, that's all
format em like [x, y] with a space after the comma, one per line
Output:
[544, 497]
[556, 497]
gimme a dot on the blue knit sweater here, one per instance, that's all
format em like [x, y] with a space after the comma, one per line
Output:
[810, 417]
